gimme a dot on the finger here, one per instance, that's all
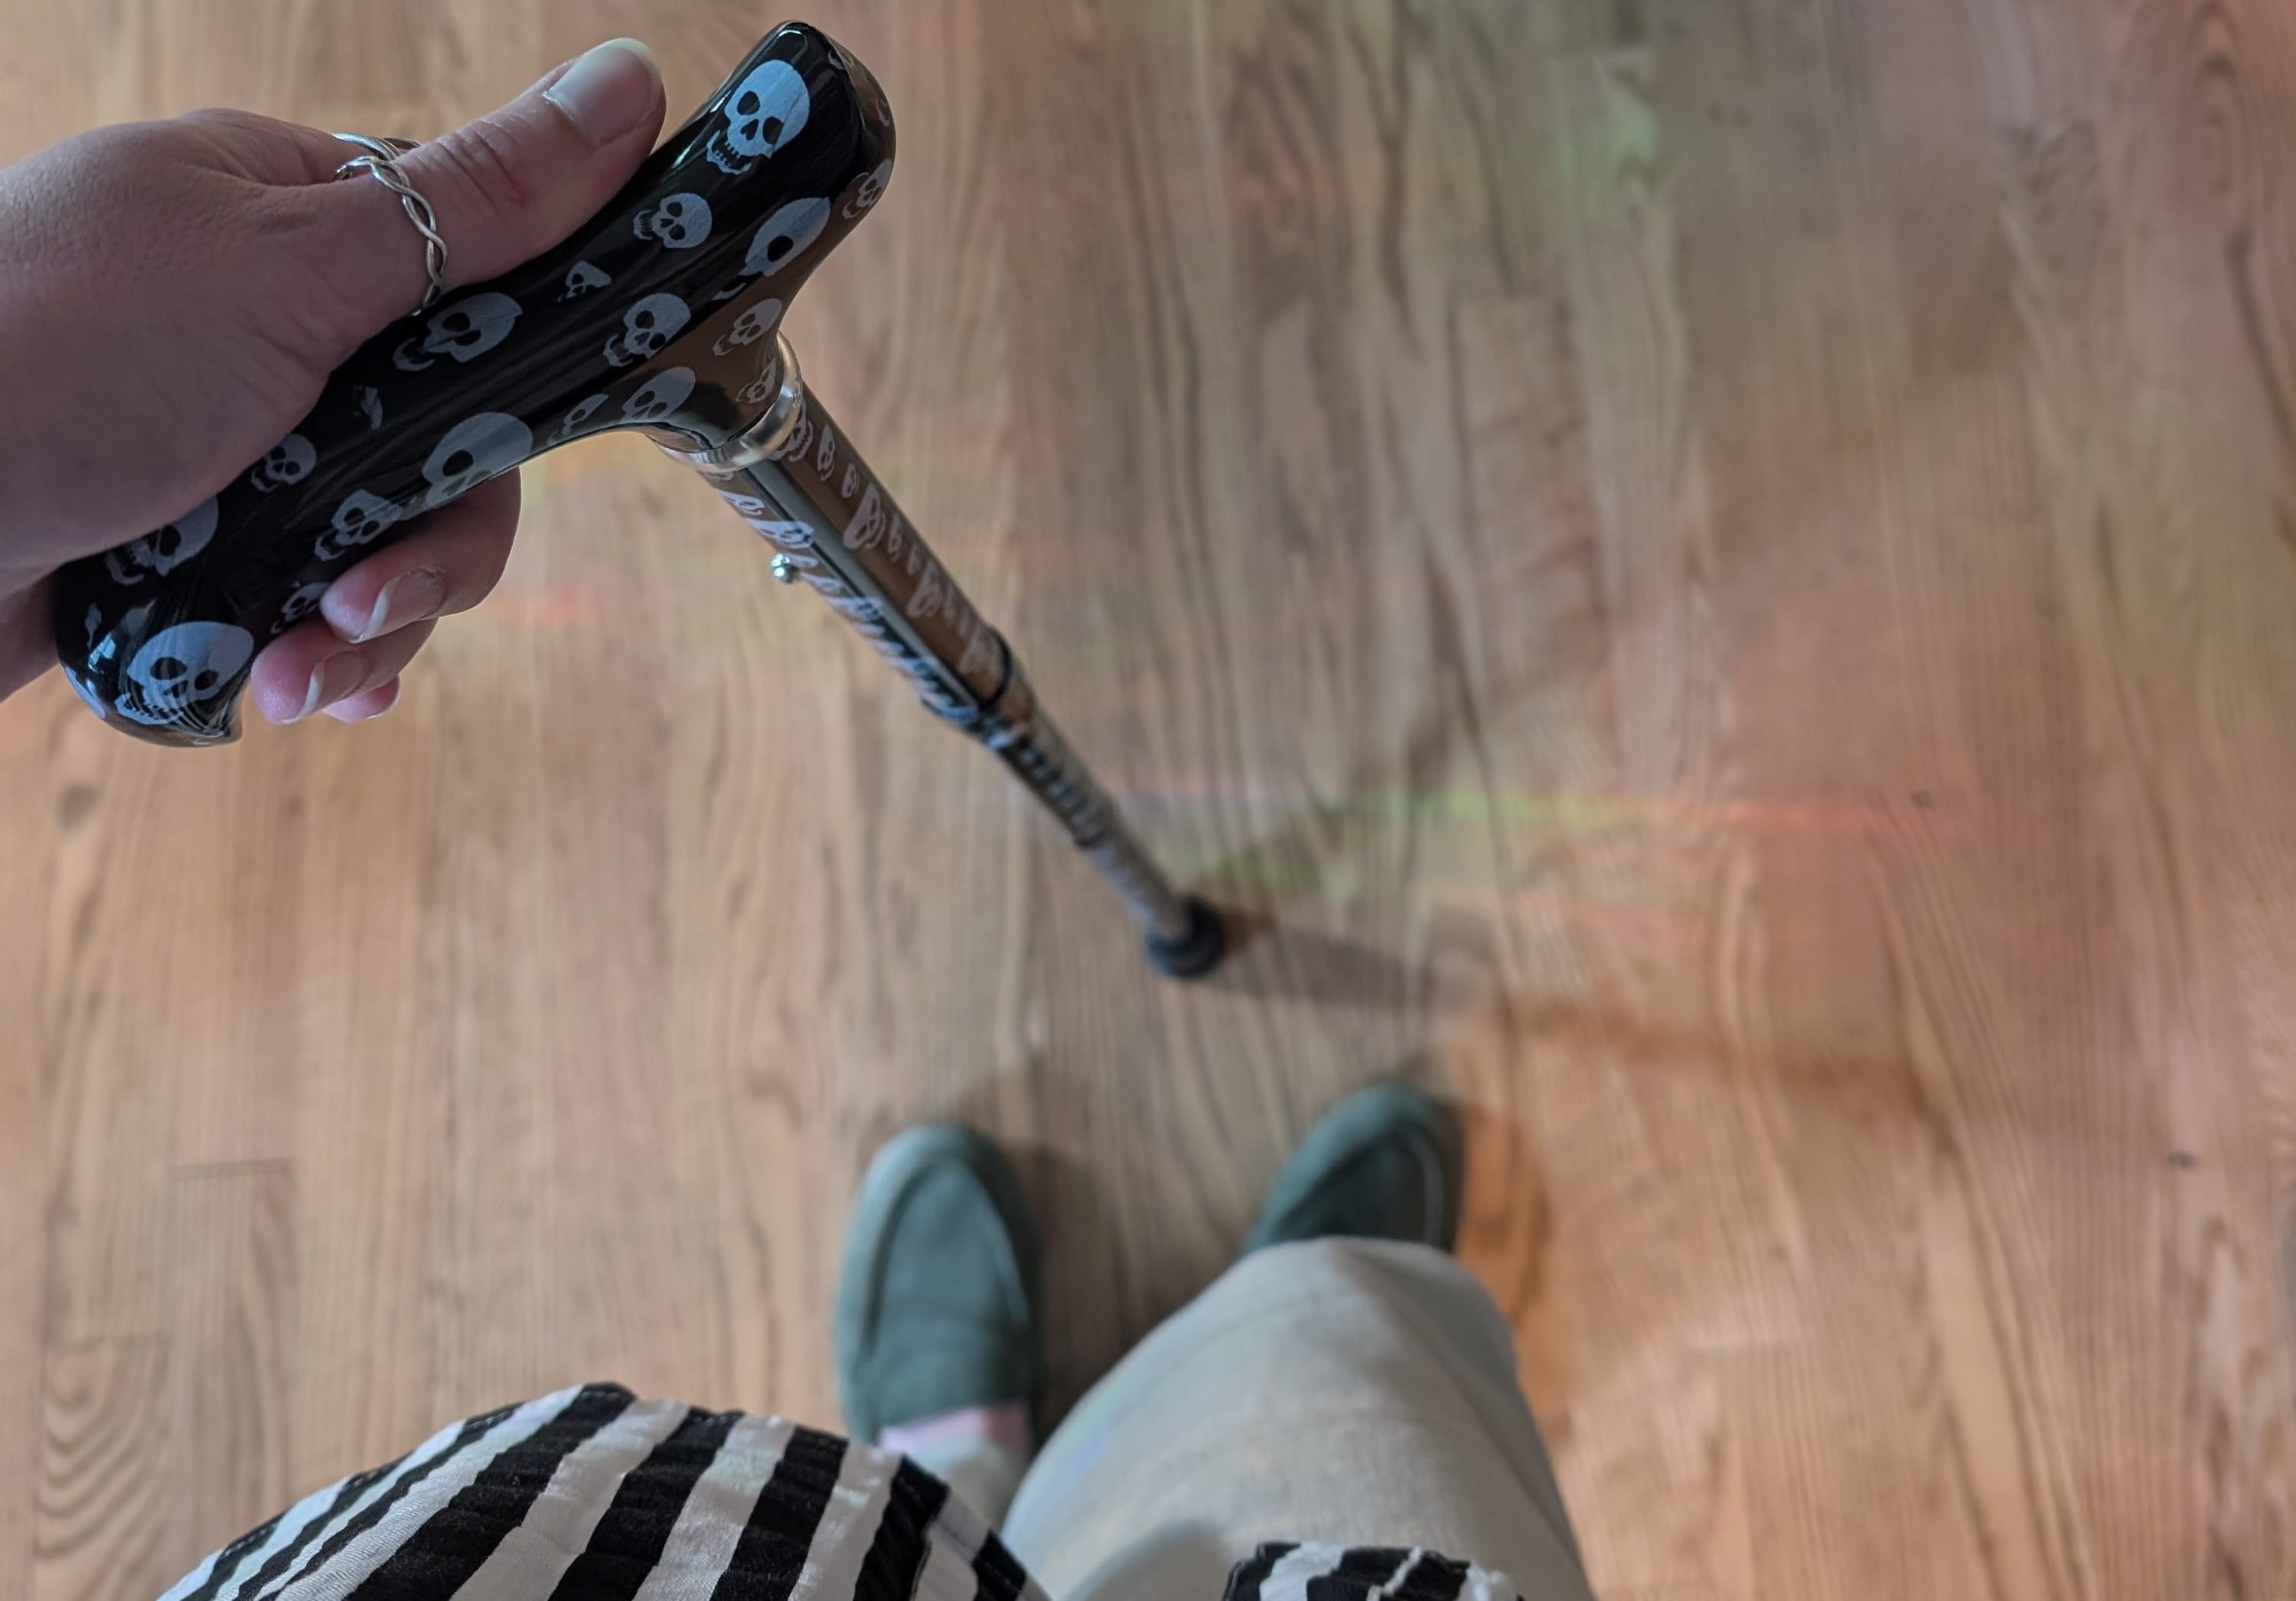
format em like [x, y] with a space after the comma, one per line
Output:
[506, 187]
[449, 563]
[307, 669]
[366, 707]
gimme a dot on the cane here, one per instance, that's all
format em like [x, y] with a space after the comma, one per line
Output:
[661, 314]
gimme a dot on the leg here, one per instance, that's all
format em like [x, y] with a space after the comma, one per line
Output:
[1354, 1391]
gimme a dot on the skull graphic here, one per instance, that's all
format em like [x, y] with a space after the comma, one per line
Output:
[475, 449]
[785, 235]
[163, 550]
[872, 190]
[583, 412]
[679, 223]
[466, 329]
[179, 665]
[290, 462]
[800, 442]
[766, 111]
[646, 327]
[660, 395]
[782, 532]
[360, 521]
[581, 278]
[299, 605]
[752, 325]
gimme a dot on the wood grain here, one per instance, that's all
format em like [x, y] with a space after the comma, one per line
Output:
[1718, 577]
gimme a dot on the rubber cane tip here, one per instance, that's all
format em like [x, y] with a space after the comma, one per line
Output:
[1196, 951]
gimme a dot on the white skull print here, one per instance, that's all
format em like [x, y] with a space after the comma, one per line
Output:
[163, 550]
[658, 396]
[872, 190]
[179, 665]
[289, 462]
[475, 449]
[767, 109]
[583, 410]
[646, 327]
[784, 236]
[360, 521]
[299, 605]
[787, 534]
[758, 515]
[752, 325]
[679, 223]
[800, 441]
[581, 278]
[466, 329]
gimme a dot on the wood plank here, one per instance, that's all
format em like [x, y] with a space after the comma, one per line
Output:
[104, 1520]
[234, 1346]
[1715, 579]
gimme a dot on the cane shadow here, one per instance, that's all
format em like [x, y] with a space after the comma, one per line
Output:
[1257, 888]
[1307, 858]
[1269, 962]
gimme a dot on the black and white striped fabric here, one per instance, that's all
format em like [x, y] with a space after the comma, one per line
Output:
[593, 1495]
[1297, 1573]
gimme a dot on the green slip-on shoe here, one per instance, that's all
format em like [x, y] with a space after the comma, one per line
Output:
[937, 1299]
[1387, 1164]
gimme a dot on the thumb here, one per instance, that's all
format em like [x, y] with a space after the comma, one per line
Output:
[505, 188]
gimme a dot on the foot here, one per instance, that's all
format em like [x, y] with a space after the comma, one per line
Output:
[937, 1299]
[1384, 1164]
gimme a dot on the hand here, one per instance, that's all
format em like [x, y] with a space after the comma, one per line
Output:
[172, 296]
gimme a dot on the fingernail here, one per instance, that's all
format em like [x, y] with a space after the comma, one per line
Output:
[390, 692]
[332, 680]
[409, 597]
[608, 89]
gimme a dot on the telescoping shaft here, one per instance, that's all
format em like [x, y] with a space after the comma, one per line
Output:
[797, 478]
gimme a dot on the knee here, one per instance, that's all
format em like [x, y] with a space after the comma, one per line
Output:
[1392, 1281]
[1393, 1271]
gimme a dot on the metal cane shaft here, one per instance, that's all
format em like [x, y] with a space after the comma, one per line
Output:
[797, 480]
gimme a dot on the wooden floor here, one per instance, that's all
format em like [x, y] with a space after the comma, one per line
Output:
[1722, 573]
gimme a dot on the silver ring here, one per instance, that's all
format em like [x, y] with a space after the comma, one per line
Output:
[382, 159]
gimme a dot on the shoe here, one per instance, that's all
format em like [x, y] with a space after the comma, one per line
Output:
[1386, 1164]
[936, 1298]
